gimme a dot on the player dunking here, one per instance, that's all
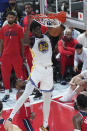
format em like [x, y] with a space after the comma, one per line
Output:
[42, 73]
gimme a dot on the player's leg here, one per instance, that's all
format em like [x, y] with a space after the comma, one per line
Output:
[63, 66]
[73, 90]
[6, 72]
[67, 96]
[28, 90]
[46, 107]
[70, 93]
[46, 87]
[23, 121]
[18, 67]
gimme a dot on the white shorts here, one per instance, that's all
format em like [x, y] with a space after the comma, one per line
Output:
[44, 75]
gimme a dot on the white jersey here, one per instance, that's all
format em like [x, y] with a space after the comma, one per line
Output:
[84, 74]
[42, 51]
[82, 57]
[75, 33]
[82, 39]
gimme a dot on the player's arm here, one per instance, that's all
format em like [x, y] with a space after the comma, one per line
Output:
[22, 49]
[83, 82]
[20, 84]
[26, 38]
[21, 36]
[77, 121]
[1, 41]
[1, 46]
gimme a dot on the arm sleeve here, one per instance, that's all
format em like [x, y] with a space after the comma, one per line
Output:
[62, 50]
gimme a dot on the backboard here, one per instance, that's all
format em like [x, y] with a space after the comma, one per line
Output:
[76, 11]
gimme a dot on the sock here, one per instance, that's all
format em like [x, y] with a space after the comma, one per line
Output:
[46, 108]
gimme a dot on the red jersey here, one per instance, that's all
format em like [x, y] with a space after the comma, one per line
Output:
[11, 36]
[84, 121]
[2, 124]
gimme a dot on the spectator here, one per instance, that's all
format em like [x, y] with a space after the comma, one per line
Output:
[6, 22]
[64, 7]
[82, 39]
[80, 56]
[66, 49]
[80, 119]
[77, 84]
[12, 7]
[27, 52]
[28, 11]
[12, 54]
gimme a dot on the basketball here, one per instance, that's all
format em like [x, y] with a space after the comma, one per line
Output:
[55, 31]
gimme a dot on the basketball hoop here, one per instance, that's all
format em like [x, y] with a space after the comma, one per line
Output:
[51, 20]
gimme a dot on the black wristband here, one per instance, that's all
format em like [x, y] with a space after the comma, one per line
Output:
[10, 119]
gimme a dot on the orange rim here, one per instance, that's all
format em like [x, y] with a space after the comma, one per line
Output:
[60, 16]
